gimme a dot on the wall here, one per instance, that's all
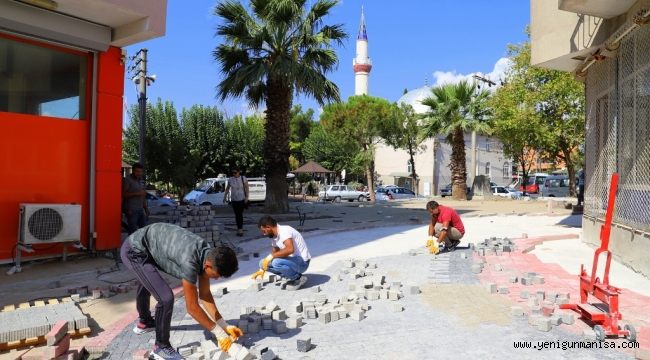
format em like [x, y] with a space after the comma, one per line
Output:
[627, 245]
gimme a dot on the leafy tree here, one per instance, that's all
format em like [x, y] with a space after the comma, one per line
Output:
[244, 141]
[539, 113]
[204, 132]
[455, 109]
[408, 136]
[364, 121]
[328, 149]
[279, 48]
[300, 126]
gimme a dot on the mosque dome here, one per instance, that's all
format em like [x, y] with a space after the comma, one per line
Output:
[414, 98]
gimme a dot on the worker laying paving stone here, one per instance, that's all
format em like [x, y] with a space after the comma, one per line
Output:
[185, 255]
[289, 257]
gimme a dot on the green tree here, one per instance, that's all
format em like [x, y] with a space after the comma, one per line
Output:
[408, 136]
[455, 109]
[244, 141]
[279, 48]
[168, 160]
[364, 121]
[329, 150]
[204, 133]
[539, 113]
[300, 126]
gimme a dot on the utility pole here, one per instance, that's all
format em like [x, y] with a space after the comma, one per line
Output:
[141, 81]
[474, 166]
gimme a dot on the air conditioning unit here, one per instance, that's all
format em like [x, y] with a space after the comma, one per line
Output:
[49, 223]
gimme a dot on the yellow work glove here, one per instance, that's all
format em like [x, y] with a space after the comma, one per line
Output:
[234, 332]
[430, 241]
[224, 338]
[258, 274]
[266, 261]
[433, 246]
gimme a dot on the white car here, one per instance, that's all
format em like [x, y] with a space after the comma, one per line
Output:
[337, 193]
[153, 200]
[506, 192]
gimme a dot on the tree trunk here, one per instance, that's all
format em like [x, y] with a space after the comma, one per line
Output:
[414, 175]
[370, 172]
[571, 170]
[457, 166]
[276, 145]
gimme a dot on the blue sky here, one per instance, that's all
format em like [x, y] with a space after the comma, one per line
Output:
[410, 42]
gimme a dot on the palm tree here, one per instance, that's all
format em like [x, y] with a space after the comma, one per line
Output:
[277, 49]
[455, 109]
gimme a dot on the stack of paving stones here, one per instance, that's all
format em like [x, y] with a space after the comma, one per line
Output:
[366, 285]
[197, 219]
[543, 306]
[493, 246]
[57, 346]
[33, 322]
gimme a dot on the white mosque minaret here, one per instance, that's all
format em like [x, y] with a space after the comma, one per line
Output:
[361, 63]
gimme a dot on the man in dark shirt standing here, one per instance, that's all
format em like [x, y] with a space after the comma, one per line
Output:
[134, 201]
[184, 255]
[445, 226]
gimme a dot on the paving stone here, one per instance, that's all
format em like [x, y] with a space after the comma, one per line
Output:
[544, 324]
[325, 317]
[58, 349]
[556, 319]
[209, 348]
[413, 289]
[568, 317]
[279, 315]
[517, 311]
[303, 344]
[540, 295]
[397, 307]
[294, 322]
[58, 331]
[498, 267]
[315, 289]
[279, 327]
[538, 279]
[491, 288]
[255, 287]
[523, 294]
[513, 279]
[503, 290]
[357, 315]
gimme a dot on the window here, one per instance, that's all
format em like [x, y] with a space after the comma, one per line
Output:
[487, 169]
[409, 166]
[42, 80]
[506, 170]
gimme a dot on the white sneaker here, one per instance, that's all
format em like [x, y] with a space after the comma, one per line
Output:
[296, 284]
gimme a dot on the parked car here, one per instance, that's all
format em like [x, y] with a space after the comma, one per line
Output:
[555, 186]
[505, 192]
[383, 194]
[446, 191]
[533, 183]
[153, 201]
[401, 193]
[337, 193]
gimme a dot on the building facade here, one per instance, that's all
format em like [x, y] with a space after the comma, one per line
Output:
[607, 45]
[61, 104]
[432, 163]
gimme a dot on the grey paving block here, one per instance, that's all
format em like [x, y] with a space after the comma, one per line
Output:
[294, 322]
[491, 288]
[303, 344]
[517, 311]
[523, 294]
[279, 315]
[279, 327]
[503, 290]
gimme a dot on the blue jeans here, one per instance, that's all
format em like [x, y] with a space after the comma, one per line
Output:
[136, 220]
[290, 267]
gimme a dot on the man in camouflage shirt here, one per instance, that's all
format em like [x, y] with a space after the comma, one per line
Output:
[184, 255]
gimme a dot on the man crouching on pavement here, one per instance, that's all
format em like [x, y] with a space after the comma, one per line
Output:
[184, 255]
[445, 226]
[289, 256]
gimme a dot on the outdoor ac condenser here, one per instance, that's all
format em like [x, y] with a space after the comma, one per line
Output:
[49, 223]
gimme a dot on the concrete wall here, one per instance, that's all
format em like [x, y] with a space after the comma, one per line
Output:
[627, 245]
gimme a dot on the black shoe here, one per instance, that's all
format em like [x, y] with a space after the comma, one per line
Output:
[452, 247]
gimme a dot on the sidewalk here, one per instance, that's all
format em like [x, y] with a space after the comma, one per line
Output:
[323, 231]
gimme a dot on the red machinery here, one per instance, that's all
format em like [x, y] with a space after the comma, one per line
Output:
[604, 316]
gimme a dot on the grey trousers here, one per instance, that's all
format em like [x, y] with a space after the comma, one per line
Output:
[452, 233]
[151, 283]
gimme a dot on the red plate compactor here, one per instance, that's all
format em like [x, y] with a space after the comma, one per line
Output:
[604, 316]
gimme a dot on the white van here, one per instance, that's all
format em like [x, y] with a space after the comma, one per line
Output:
[211, 191]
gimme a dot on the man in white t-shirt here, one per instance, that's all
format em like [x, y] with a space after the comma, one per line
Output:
[289, 256]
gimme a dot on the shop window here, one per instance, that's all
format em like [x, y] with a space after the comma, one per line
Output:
[43, 80]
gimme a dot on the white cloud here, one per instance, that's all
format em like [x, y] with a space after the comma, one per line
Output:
[451, 77]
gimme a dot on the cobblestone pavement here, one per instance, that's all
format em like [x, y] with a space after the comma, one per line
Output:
[454, 316]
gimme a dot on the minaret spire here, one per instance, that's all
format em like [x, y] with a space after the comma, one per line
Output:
[363, 35]
[361, 63]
